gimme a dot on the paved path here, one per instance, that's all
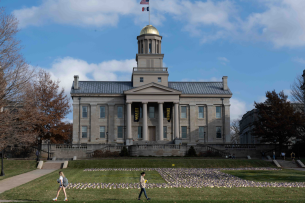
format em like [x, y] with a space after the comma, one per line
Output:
[287, 164]
[21, 179]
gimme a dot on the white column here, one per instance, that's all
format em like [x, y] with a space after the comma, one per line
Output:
[145, 136]
[176, 121]
[129, 135]
[161, 121]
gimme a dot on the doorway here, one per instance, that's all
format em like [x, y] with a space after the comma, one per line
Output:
[152, 133]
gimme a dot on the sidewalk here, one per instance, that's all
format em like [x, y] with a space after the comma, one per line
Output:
[21, 179]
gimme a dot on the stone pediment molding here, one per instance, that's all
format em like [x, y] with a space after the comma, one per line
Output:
[153, 88]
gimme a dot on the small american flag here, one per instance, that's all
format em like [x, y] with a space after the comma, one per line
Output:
[144, 2]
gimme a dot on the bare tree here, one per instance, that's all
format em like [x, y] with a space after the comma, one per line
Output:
[235, 131]
[297, 94]
[15, 80]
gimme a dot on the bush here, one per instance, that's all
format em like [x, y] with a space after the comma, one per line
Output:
[210, 153]
[124, 152]
[191, 152]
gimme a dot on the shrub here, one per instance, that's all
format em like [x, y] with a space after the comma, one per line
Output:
[124, 152]
[191, 152]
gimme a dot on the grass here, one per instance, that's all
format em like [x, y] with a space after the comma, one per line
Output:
[284, 175]
[167, 163]
[44, 189]
[16, 167]
[79, 176]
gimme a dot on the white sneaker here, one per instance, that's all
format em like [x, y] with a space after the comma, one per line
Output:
[66, 199]
[55, 199]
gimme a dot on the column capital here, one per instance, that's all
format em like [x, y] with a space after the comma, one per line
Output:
[176, 102]
[111, 104]
[144, 102]
[93, 104]
[161, 102]
[129, 102]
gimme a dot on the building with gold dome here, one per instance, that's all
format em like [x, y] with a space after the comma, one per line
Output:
[149, 109]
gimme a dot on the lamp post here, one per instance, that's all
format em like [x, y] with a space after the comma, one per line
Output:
[2, 157]
[38, 152]
[48, 149]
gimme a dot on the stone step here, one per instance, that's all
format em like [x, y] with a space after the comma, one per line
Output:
[287, 164]
[49, 165]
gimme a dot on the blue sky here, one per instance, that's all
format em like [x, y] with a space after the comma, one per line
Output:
[258, 44]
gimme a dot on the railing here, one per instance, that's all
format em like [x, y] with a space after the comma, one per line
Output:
[150, 69]
[66, 146]
[222, 153]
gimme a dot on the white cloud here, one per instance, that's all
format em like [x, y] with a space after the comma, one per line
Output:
[223, 60]
[299, 60]
[281, 22]
[237, 109]
[64, 70]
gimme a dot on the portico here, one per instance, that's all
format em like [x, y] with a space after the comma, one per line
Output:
[145, 95]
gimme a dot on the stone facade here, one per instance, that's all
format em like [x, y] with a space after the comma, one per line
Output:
[153, 95]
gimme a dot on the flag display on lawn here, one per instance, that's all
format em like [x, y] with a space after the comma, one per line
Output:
[144, 2]
[145, 8]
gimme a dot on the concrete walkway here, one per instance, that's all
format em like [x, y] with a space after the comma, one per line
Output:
[21, 179]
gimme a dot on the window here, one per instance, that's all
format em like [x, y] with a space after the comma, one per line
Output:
[120, 131]
[149, 47]
[158, 48]
[141, 79]
[218, 132]
[102, 112]
[201, 132]
[151, 112]
[159, 79]
[85, 111]
[142, 49]
[102, 132]
[120, 112]
[183, 111]
[141, 112]
[84, 131]
[184, 131]
[140, 132]
[200, 112]
[218, 111]
[164, 132]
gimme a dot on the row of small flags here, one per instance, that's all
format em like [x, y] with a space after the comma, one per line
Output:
[145, 2]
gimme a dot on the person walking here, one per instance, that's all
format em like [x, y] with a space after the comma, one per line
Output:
[143, 185]
[62, 185]
[293, 156]
[273, 155]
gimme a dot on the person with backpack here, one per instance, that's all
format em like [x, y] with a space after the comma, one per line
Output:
[63, 183]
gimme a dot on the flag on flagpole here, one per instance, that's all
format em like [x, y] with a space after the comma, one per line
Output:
[144, 2]
[145, 8]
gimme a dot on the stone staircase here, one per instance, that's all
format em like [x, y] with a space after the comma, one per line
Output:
[287, 164]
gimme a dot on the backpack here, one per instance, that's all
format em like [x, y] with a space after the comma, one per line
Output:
[65, 182]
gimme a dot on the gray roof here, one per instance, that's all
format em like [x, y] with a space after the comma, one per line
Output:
[118, 87]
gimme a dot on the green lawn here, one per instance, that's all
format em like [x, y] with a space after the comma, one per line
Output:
[284, 175]
[44, 189]
[16, 167]
[79, 176]
[167, 163]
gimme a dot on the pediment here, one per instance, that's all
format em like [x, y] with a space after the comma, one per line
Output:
[152, 88]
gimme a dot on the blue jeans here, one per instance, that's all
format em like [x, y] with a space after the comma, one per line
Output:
[273, 157]
[143, 190]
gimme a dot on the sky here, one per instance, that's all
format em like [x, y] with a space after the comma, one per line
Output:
[258, 44]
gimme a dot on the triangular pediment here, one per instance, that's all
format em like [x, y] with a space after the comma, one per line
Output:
[152, 88]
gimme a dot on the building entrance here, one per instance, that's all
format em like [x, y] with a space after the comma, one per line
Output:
[152, 133]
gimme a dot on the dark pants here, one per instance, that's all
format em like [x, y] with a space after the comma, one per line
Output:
[143, 190]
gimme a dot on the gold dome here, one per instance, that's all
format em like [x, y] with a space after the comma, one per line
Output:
[149, 29]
